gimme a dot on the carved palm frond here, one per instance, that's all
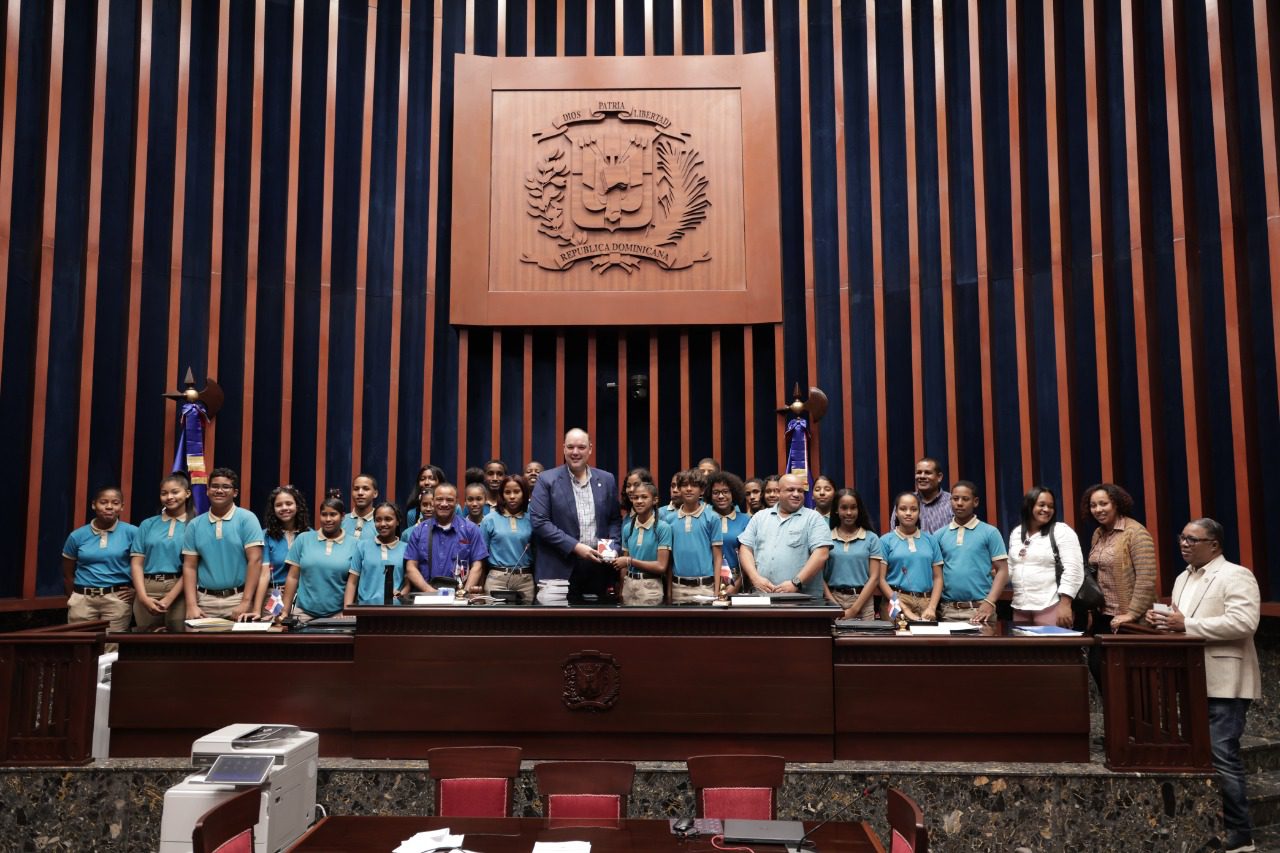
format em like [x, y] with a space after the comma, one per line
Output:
[682, 192]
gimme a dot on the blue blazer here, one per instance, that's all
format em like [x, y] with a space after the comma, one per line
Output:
[555, 519]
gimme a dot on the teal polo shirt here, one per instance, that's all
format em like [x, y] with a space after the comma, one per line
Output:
[644, 541]
[358, 527]
[323, 565]
[220, 543]
[781, 546]
[102, 556]
[850, 560]
[909, 561]
[275, 550]
[731, 527]
[159, 544]
[508, 539]
[967, 555]
[374, 556]
[692, 535]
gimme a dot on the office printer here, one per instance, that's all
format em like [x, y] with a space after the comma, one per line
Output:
[288, 795]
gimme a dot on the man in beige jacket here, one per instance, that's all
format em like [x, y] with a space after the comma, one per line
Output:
[1219, 602]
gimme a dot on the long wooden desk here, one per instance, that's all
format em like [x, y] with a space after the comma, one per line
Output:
[350, 834]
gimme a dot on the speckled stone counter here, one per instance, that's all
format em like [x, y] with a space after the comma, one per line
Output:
[115, 805]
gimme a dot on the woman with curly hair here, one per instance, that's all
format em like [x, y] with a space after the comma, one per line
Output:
[286, 515]
[728, 497]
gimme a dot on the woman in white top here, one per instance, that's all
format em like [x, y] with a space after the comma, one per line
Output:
[1039, 596]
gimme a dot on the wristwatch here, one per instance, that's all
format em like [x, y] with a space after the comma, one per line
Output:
[797, 582]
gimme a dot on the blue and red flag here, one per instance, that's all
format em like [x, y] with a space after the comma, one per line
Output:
[798, 455]
[192, 423]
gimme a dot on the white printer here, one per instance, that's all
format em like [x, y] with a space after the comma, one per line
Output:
[288, 795]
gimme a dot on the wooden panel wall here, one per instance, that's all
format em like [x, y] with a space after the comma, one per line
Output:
[1037, 241]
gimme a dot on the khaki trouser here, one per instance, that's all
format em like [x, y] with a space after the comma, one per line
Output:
[918, 603]
[521, 582]
[846, 600]
[171, 618]
[90, 608]
[962, 613]
[641, 591]
[681, 594]
[212, 605]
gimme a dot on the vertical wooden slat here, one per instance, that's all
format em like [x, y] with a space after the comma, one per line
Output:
[749, 399]
[433, 211]
[768, 25]
[326, 254]
[530, 31]
[44, 312]
[806, 194]
[251, 266]
[399, 238]
[464, 353]
[1057, 237]
[1152, 476]
[780, 387]
[913, 225]
[12, 37]
[495, 397]
[469, 30]
[92, 250]
[618, 49]
[591, 27]
[944, 234]
[738, 47]
[362, 248]
[685, 438]
[677, 23]
[1271, 175]
[1102, 339]
[877, 256]
[842, 241]
[1021, 305]
[560, 25]
[179, 215]
[219, 204]
[291, 249]
[136, 232]
[1188, 320]
[984, 283]
[708, 29]
[1233, 303]
[648, 28]
[502, 36]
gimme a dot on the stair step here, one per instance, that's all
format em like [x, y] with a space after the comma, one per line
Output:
[1267, 838]
[1260, 754]
[1264, 798]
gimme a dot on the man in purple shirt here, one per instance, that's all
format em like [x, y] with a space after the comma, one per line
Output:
[437, 545]
[935, 502]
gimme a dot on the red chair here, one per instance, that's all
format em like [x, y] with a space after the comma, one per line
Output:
[585, 789]
[474, 781]
[906, 825]
[228, 826]
[736, 786]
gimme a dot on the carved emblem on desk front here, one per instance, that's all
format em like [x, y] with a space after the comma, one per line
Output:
[592, 681]
[617, 185]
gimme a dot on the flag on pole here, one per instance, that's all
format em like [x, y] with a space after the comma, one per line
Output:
[798, 454]
[193, 421]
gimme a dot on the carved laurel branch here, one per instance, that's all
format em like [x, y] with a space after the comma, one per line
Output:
[546, 186]
[682, 199]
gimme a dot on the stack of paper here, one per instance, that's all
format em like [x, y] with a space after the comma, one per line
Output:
[210, 623]
[1046, 631]
[433, 840]
[553, 592]
[562, 847]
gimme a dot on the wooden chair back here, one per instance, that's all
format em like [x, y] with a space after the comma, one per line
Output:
[906, 825]
[585, 789]
[474, 781]
[736, 786]
[228, 826]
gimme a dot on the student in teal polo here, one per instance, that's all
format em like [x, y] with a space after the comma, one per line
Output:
[852, 574]
[367, 581]
[975, 565]
[319, 564]
[508, 537]
[222, 554]
[156, 558]
[695, 541]
[95, 564]
[728, 497]
[646, 549]
[364, 494]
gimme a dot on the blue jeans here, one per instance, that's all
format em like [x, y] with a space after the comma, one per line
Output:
[1226, 724]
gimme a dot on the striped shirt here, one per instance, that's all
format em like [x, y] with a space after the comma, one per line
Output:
[934, 515]
[585, 502]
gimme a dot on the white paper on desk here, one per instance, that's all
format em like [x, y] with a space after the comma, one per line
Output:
[750, 600]
[562, 847]
[250, 627]
[943, 629]
[432, 840]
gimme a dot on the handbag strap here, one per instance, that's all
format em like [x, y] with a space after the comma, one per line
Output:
[1057, 558]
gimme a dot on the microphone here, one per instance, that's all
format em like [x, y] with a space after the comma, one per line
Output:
[388, 584]
[803, 844]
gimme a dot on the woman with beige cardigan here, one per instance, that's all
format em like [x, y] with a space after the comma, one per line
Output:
[1123, 555]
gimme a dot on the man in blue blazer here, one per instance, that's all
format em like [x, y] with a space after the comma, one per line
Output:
[572, 507]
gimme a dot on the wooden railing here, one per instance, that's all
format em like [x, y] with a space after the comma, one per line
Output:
[1155, 702]
[48, 679]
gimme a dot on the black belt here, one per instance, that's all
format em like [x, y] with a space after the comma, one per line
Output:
[704, 581]
[966, 605]
[220, 593]
[913, 592]
[642, 576]
[99, 590]
[160, 576]
[847, 590]
[513, 570]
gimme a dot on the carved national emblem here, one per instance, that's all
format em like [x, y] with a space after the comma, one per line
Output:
[592, 681]
[618, 186]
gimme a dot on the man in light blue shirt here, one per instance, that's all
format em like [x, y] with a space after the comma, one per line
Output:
[785, 547]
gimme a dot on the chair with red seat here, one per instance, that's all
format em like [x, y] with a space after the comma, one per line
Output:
[585, 789]
[474, 781]
[228, 826]
[736, 786]
[906, 825]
